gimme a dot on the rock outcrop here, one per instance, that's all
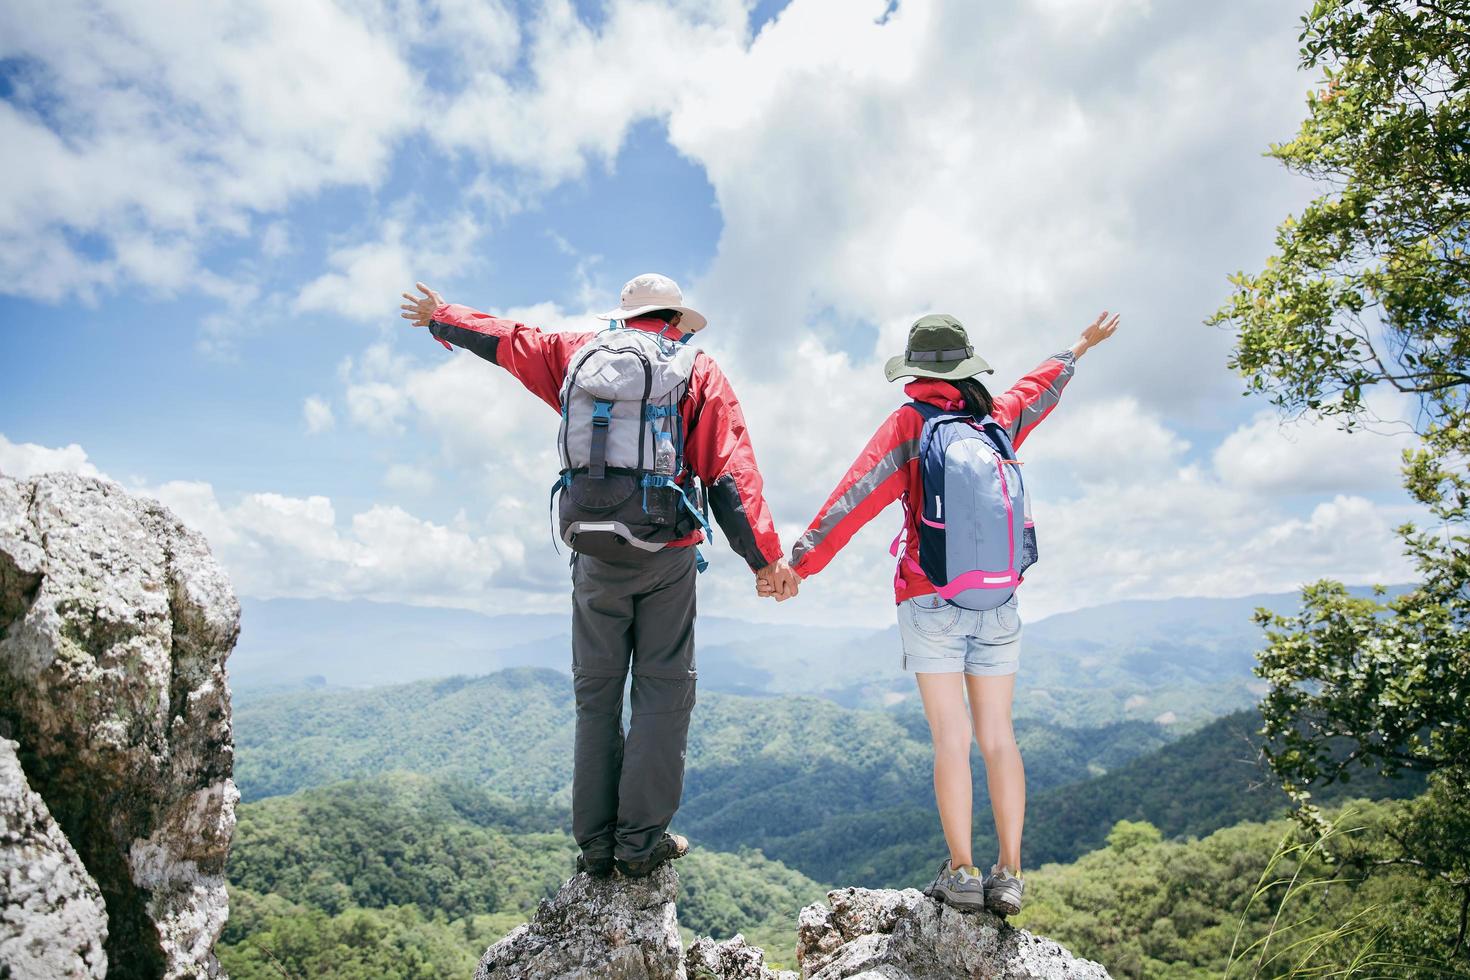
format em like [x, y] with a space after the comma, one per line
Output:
[622, 929]
[901, 935]
[115, 623]
[52, 923]
[732, 959]
[612, 929]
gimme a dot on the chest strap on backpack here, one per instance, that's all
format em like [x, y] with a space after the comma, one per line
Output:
[597, 456]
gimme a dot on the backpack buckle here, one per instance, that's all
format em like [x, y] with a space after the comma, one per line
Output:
[601, 418]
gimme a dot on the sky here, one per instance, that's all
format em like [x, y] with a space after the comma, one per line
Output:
[208, 214]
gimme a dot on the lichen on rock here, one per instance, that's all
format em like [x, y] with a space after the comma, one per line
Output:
[612, 929]
[902, 935]
[115, 623]
[625, 929]
[52, 922]
[732, 959]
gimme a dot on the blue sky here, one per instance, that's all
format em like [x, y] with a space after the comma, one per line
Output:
[205, 228]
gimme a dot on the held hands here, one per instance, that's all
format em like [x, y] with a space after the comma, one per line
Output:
[419, 309]
[777, 581]
[1100, 329]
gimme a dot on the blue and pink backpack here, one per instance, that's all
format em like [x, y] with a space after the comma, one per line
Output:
[976, 536]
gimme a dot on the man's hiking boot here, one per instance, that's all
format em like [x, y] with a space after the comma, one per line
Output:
[960, 887]
[1003, 891]
[596, 865]
[670, 848]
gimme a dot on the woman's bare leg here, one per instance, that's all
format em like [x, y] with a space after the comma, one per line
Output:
[990, 706]
[949, 725]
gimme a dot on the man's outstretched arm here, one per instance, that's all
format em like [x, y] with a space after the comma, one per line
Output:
[537, 359]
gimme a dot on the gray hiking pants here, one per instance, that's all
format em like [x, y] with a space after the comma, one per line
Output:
[637, 614]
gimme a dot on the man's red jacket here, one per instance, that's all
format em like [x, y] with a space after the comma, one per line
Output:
[716, 443]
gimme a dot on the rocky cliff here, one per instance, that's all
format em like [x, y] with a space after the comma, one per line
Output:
[115, 624]
[621, 929]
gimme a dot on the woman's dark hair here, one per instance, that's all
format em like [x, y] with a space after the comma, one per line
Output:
[977, 399]
[666, 316]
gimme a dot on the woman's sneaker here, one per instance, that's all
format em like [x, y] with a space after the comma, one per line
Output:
[670, 847]
[960, 887]
[1003, 891]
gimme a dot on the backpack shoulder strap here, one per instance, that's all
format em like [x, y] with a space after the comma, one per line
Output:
[926, 410]
[998, 435]
[935, 416]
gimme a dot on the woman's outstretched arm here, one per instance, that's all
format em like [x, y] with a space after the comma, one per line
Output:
[877, 478]
[1031, 399]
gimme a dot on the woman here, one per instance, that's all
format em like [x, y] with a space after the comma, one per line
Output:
[952, 651]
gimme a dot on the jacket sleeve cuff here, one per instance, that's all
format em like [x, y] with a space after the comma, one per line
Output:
[437, 330]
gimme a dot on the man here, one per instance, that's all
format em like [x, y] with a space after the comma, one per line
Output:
[634, 609]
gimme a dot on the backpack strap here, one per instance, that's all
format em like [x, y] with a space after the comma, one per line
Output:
[562, 482]
[933, 416]
[597, 458]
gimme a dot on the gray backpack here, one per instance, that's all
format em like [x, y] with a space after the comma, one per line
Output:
[624, 491]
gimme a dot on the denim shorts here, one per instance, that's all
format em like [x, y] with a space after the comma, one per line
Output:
[939, 638]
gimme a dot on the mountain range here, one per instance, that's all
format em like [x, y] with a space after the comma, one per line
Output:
[1179, 662]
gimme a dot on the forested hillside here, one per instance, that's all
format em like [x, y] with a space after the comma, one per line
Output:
[406, 876]
[1149, 907]
[843, 795]
[787, 775]
[431, 868]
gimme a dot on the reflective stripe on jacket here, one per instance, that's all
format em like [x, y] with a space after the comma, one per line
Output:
[716, 444]
[887, 469]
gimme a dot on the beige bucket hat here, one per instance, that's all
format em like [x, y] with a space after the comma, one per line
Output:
[649, 292]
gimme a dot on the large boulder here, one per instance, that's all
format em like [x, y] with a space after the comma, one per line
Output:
[613, 928]
[52, 923]
[732, 959]
[883, 934]
[115, 623]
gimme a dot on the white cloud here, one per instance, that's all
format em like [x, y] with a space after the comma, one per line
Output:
[409, 479]
[275, 240]
[587, 87]
[317, 414]
[26, 459]
[1021, 167]
[274, 545]
[154, 127]
[1269, 455]
[369, 277]
[1103, 438]
[1039, 177]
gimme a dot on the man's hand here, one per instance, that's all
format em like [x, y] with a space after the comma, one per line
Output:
[1100, 329]
[777, 581]
[419, 309]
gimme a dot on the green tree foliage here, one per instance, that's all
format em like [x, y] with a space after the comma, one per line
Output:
[1253, 900]
[403, 839]
[1370, 287]
[786, 775]
[406, 861]
[269, 938]
[842, 795]
[1369, 283]
[1209, 779]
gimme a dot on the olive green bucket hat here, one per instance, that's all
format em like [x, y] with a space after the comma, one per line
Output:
[938, 348]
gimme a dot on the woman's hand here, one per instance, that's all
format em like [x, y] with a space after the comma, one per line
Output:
[1100, 329]
[777, 581]
[419, 309]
